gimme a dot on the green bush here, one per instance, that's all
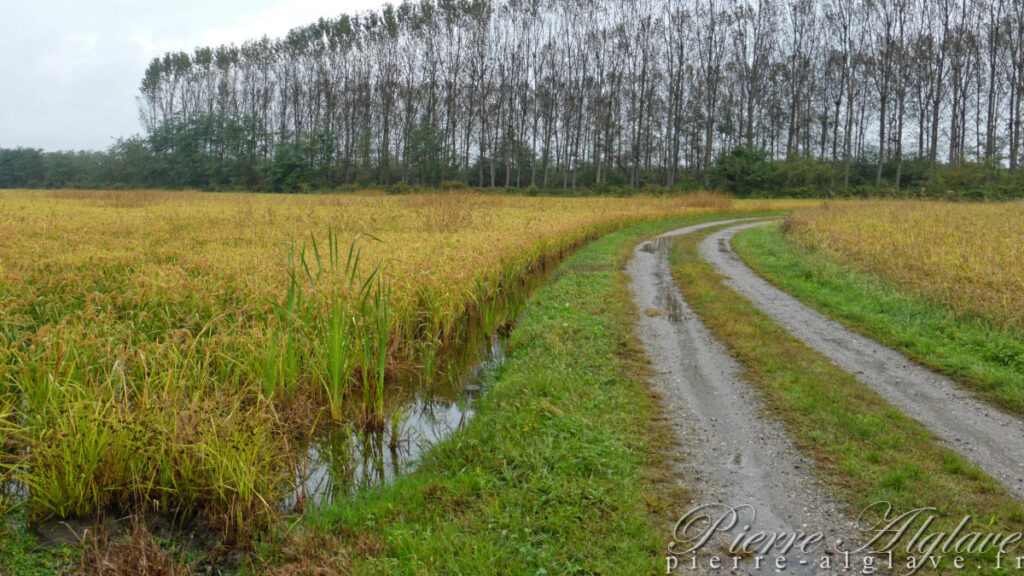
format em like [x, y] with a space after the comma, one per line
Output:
[804, 177]
[973, 181]
[655, 189]
[743, 171]
[452, 185]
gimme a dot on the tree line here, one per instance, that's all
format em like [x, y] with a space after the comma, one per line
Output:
[798, 95]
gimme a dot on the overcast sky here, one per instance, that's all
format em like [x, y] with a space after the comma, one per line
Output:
[70, 69]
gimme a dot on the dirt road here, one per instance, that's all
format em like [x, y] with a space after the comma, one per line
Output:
[732, 452]
[991, 439]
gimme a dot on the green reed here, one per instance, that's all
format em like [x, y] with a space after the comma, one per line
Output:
[336, 323]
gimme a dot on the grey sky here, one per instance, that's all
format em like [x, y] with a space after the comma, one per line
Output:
[70, 69]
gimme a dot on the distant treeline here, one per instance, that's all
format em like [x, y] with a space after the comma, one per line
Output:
[744, 172]
[810, 96]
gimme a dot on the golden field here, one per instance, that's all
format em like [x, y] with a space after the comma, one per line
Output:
[969, 256]
[167, 350]
[126, 273]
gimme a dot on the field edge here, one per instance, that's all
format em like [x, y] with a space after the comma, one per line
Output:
[563, 469]
[974, 351]
[865, 450]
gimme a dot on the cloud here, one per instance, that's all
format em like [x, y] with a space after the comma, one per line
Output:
[72, 69]
[275, 20]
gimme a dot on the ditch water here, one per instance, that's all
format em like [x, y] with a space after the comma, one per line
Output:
[338, 463]
[427, 407]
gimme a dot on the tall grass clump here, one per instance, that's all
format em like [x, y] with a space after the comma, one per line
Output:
[171, 451]
[153, 434]
[7, 463]
[333, 331]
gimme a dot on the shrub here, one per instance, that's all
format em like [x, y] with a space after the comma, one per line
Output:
[452, 185]
[803, 176]
[743, 172]
[398, 188]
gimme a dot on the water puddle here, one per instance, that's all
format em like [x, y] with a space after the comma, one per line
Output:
[667, 299]
[673, 306]
[658, 245]
[338, 463]
[428, 406]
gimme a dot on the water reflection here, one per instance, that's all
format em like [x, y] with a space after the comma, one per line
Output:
[340, 462]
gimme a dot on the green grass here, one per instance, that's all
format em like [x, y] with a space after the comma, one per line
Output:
[974, 351]
[20, 556]
[561, 470]
[866, 450]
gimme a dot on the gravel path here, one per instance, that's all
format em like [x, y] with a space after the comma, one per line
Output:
[982, 434]
[732, 453]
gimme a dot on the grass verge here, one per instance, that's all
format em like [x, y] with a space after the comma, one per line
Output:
[975, 351]
[561, 470]
[866, 450]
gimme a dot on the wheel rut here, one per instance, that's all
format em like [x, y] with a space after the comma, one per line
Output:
[733, 454]
[981, 433]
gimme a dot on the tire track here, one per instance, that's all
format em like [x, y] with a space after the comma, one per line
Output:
[982, 434]
[733, 454]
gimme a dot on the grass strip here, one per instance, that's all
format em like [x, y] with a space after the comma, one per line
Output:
[975, 351]
[866, 450]
[560, 472]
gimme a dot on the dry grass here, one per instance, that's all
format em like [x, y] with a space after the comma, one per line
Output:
[307, 552]
[135, 553]
[969, 256]
[171, 245]
[766, 204]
